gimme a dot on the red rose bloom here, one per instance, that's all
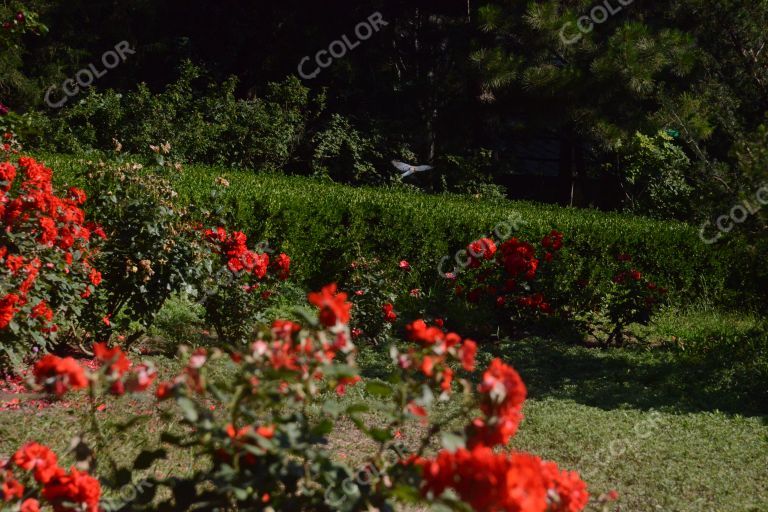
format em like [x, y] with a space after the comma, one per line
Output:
[42, 311]
[95, 277]
[488, 481]
[502, 404]
[571, 491]
[76, 487]
[77, 195]
[59, 375]
[30, 505]
[467, 354]
[283, 265]
[115, 357]
[12, 488]
[7, 175]
[334, 307]
[419, 332]
[8, 309]
[37, 457]
[14, 262]
[389, 312]
[553, 241]
[483, 249]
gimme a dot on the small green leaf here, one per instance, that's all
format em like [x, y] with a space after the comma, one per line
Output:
[380, 434]
[378, 389]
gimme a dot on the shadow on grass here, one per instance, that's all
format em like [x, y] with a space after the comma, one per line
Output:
[617, 378]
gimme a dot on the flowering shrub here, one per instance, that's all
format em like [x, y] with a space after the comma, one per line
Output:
[632, 298]
[15, 24]
[32, 478]
[267, 452]
[621, 295]
[151, 251]
[46, 254]
[512, 276]
[9, 146]
[157, 248]
[377, 291]
[239, 283]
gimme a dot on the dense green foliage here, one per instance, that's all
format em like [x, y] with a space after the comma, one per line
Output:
[218, 128]
[325, 226]
[653, 177]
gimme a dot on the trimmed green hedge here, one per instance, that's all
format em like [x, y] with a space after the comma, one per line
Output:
[324, 226]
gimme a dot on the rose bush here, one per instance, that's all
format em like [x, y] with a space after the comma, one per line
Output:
[379, 292]
[632, 298]
[32, 478]
[46, 259]
[15, 24]
[267, 451]
[157, 248]
[9, 146]
[518, 279]
[512, 277]
[238, 283]
[151, 252]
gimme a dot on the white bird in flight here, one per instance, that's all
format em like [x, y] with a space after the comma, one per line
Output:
[408, 169]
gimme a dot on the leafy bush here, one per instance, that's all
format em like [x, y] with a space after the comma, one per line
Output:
[377, 292]
[22, 128]
[752, 181]
[518, 279]
[471, 174]
[630, 298]
[151, 251]
[47, 251]
[16, 88]
[267, 453]
[156, 249]
[218, 127]
[654, 175]
[342, 153]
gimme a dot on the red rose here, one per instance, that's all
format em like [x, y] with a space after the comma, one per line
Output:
[59, 375]
[37, 457]
[334, 307]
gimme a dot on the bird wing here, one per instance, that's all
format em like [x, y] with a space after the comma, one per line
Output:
[407, 173]
[402, 166]
[422, 168]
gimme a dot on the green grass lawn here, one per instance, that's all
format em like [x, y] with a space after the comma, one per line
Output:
[659, 431]
[663, 433]
[696, 461]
